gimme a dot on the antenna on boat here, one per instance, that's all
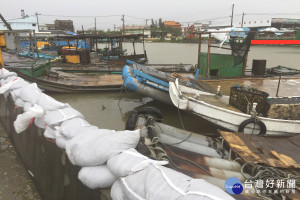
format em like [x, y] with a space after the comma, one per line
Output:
[232, 15]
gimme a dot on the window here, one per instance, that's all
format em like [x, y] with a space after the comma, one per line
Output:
[214, 72]
[33, 24]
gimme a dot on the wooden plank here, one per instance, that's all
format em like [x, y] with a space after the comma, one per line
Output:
[275, 152]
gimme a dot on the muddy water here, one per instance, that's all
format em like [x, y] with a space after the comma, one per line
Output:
[102, 109]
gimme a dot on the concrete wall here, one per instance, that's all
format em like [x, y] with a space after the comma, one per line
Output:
[52, 173]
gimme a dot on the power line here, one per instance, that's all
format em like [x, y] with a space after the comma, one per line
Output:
[83, 16]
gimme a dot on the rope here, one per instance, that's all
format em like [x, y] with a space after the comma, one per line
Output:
[159, 153]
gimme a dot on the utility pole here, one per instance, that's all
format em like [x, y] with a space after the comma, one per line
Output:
[123, 19]
[243, 19]
[82, 29]
[95, 25]
[37, 19]
[232, 15]
[147, 22]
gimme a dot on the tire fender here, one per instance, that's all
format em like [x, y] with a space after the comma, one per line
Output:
[263, 128]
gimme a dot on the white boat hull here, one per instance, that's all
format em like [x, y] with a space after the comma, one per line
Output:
[227, 118]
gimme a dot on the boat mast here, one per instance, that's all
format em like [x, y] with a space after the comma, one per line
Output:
[232, 15]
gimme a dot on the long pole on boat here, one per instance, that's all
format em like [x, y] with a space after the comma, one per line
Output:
[243, 20]
[33, 57]
[278, 86]
[36, 47]
[199, 49]
[95, 25]
[232, 15]
[123, 19]
[208, 54]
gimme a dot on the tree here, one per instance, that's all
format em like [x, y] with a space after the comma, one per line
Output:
[161, 25]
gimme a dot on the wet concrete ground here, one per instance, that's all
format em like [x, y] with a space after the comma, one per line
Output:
[15, 183]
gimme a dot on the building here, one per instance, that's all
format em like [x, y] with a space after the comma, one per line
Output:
[25, 23]
[172, 24]
[64, 25]
[285, 23]
[136, 29]
[273, 22]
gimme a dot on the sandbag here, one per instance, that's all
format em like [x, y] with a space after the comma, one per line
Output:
[75, 126]
[60, 140]
[95, 148]
[7, 85]
[16, 94]
[56, 117]
[40, 122]
[116, 192]
[158, 182]
[4, 73]
[19, 102]
[96, 177]
[200, 189]
[31, 93]
[27, 106]
[50, 104]
[49, 132]
[23, 120]
[20, 84]
[130, 161]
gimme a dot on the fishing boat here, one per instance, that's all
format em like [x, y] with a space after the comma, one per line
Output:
[40, 72]
[149, 81]
[216, 109]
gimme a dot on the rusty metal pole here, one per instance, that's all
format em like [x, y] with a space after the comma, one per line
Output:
[199, 49]
[134, 53]
[245, 64]
[208, 55]
[31, 46]
[278, 86]
[36, 46]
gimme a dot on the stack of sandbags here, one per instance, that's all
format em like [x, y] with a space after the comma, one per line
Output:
[158, 182]
[107, 157]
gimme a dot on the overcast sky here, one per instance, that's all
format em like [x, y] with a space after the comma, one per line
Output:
[136, 11]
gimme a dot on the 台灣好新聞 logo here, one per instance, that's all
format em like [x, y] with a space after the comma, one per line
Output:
[233, 186]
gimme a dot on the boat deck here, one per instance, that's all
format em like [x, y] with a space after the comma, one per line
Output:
[289, 85]
[213, 100]
[85, 80]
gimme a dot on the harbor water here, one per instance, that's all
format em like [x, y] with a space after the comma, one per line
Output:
[111, 109]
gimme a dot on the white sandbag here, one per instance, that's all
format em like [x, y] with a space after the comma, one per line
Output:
[49, 104]
[16, 94]
[158, 182]
[130, 161]
[60, 140]
[19, 102]
[116, 192]
[7, 85]
[58, 116]
[75, 126]
[4, 73]
[40, 122]
[49, 132]
[20, 84]
[200, 189]
[8, 79]
[27, 106]
[95, 149]
[133, 186]
[23, 120]
[96, 177]
[31, 93]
